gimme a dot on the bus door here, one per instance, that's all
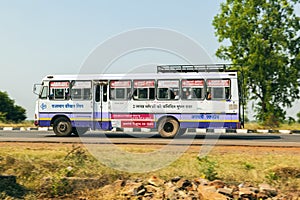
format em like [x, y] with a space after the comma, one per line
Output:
[101, 116]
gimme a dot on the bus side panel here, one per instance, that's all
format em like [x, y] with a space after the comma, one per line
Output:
[209, 120]
[81, 119]
[102, 121]
[44, 120]
[133, 120]
[226, 125]
[77, 119]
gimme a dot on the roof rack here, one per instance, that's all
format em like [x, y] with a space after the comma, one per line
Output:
[193, 68]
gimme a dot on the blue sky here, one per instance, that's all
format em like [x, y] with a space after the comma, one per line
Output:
[40, 37]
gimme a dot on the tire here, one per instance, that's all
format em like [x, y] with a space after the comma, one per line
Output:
[168, 127]
[79, 131]
[62, 127]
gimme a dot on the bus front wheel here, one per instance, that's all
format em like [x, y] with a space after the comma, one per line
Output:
[168, 127]
[62, 127]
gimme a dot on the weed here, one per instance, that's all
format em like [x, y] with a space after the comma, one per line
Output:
[207, 167]
[78, 155]
[248, 166]
[272, 177]
[59, 186]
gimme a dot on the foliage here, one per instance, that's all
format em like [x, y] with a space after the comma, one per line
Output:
[248, 166]
[262, 36]
[2, 117]
[9, 111]
[78, 155]
[290, 120]
[298, 115]
[208, 168]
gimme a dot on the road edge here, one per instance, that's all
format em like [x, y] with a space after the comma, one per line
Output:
[197, 130]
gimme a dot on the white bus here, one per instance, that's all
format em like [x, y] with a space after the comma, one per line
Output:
[167, 101]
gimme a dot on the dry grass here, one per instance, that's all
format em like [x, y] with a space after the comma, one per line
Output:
[32, 162]
[17, 125]
[255, 126]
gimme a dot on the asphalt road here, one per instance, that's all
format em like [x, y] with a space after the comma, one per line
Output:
[253, 139]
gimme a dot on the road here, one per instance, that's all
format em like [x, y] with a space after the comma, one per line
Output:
[253, 139]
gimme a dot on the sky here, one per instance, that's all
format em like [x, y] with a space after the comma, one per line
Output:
[41, 37]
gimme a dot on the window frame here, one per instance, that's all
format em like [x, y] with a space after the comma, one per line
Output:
[210, 89]
[66, 95]
[137, 88]
[191, 88]
[82, 90]
[127, 90]
[170, 90]
[46, 93]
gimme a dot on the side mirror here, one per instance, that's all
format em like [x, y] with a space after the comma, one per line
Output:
[36, 89]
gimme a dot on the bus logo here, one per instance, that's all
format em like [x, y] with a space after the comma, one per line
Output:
[43, 106]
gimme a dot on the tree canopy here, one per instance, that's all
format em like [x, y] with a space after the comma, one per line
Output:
[262, 36]
[9, 112]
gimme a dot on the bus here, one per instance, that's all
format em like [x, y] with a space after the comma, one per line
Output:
[171, 100]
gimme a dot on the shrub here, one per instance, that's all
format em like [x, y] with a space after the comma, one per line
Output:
[208, 168]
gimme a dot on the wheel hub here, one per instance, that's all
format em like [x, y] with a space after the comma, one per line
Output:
[168, 127]
[62, 127]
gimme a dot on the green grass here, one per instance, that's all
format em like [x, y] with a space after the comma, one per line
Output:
[32, 163]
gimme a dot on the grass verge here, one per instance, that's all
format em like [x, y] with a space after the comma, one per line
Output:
[33, 164]
[255, 126]
[28, 123]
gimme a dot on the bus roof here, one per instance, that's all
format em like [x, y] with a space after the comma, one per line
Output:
[204, 75]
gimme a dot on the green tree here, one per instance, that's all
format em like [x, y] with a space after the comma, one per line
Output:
[263, 37]
[9, 111]
[298, 115]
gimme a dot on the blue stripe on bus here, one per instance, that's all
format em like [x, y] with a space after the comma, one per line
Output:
[107, 124]
[233, 125]
[186, 120]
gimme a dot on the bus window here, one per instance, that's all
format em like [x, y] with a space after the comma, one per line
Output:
[168, 89]
[44, 92]
[193, 89]
[144, 89]
[59, 90]
[120, 90]
[218, 89]
[227, 93]
[105, 93]
[81, 90]
[120, 93]
[97, 93]
[163, 93]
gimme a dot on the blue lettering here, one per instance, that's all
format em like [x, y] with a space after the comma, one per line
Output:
[79, 105]
[70, 105]
[57, 106]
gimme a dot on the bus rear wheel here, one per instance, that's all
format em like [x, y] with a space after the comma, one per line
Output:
[62, 127]
[168, 127]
